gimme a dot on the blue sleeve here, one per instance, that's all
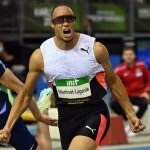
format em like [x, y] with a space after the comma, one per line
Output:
[2, 68]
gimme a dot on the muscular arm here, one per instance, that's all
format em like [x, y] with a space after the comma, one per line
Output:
[113, 80]
[24, 97]
[9, 80]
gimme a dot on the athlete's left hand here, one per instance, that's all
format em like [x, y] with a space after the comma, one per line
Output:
[48, 120]
[136, 124]
[5, 135]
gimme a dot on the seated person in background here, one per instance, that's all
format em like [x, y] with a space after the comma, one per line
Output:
[136, 79]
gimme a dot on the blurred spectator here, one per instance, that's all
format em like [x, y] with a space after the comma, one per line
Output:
[136, 79]
[5, 56]
[87, 27]
[15, 57]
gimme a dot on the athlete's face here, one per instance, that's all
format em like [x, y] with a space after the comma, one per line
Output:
[63, 23]
[128, 56]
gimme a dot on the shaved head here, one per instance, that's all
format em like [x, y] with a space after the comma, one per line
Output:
[60, 8]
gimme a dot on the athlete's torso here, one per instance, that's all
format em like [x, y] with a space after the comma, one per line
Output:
[75, 74]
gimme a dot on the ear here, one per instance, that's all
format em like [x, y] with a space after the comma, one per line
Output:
[52, 25]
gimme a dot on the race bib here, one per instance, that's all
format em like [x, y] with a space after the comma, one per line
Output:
[73, 88]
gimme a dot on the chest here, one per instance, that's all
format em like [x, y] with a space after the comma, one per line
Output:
[69, 64]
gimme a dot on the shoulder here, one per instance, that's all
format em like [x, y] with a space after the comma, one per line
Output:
[140, 63]
[36, 54]
[86, 38]
[120, 68]
[46, 43]
[85, 35]
[100, 51]
[36, 60]
[99, 46]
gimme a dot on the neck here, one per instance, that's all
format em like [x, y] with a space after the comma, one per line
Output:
[66, 45]
[130, 65]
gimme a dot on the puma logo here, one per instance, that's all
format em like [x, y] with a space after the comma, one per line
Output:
[90, 129]
[86, 50]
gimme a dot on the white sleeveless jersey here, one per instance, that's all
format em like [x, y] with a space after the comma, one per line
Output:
[77, 64]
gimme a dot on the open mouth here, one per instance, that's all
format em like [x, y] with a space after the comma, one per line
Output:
[66, 31]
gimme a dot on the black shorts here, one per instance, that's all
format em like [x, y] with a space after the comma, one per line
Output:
[91, 120]
[21, 138]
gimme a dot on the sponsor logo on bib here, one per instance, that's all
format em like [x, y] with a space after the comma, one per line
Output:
[73, 88]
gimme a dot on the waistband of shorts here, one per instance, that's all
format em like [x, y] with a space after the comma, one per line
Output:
[69, 110]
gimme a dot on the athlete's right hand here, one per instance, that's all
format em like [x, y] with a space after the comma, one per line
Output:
[48, 120]
[5, 135]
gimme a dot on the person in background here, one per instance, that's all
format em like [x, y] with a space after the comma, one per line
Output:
[7, 58]
[87, 26]
[15, 57]
[20, 132]
[136, 79]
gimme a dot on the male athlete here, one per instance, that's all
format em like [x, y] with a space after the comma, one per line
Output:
[21, 139]
[75, 67]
